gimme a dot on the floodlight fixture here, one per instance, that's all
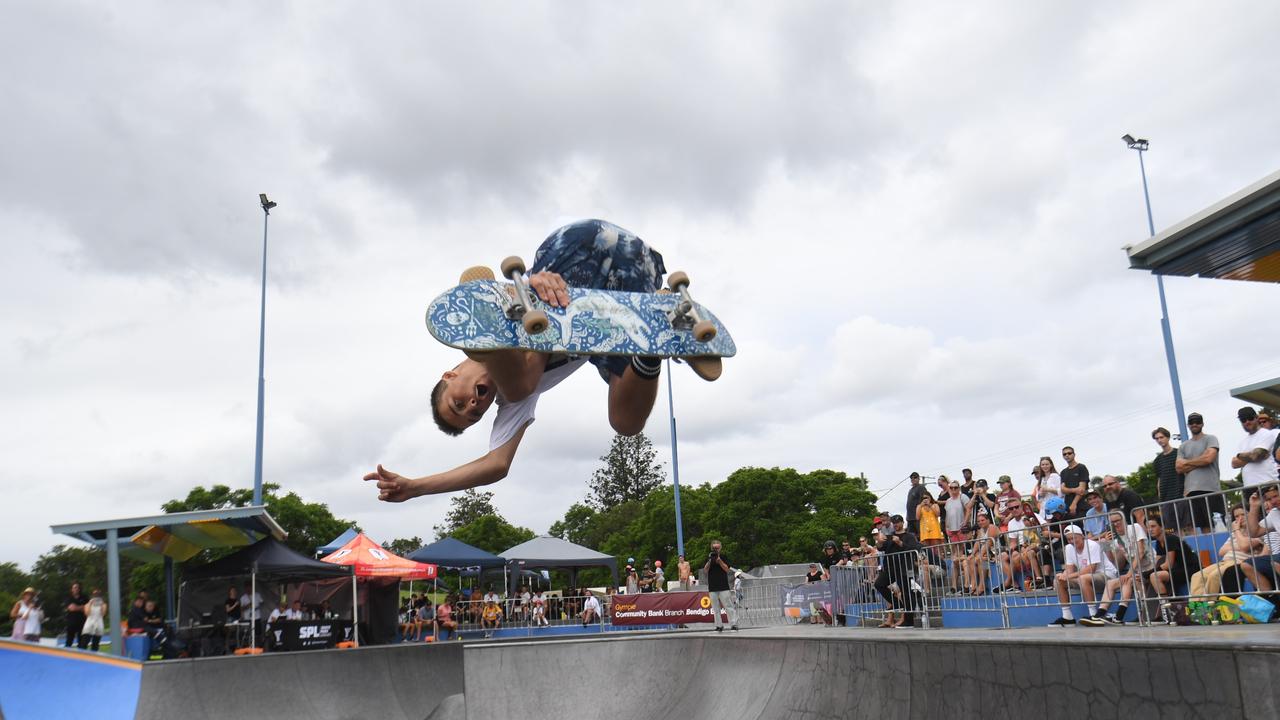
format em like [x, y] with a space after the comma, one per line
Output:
[266, 204]
[1139, 144]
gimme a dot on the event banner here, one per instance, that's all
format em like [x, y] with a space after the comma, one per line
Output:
[798, 598]
[670, 608]
[308, 634]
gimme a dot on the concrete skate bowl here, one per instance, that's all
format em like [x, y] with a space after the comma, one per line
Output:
[406, 682]
[881, 676]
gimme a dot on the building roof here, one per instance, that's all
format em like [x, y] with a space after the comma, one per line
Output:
[179, 535]
[1237, 238]
[1266, 393]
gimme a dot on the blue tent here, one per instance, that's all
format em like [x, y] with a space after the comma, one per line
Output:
[338, 543]
[456, 555]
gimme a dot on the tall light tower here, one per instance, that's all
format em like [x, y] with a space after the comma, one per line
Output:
[1141, 145]
[262, 343]
[675, 463]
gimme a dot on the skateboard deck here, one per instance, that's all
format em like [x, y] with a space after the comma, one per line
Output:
[472, 316]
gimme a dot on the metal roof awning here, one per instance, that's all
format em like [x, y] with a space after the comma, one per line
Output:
[1266, 394]
[179, 535]
[1235, 239]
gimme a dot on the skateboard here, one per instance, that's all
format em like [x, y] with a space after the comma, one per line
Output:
[483, 313]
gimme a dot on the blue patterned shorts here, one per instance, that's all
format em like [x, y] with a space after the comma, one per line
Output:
[601, 255]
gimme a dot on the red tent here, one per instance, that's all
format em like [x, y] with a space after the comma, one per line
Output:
[372, 560]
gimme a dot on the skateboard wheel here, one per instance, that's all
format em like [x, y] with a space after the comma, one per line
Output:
[676, 279]
[475, 272]
[704, 331]
[535, 322]
[512, 264]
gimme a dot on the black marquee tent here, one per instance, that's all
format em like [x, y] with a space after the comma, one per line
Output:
[261, 567]
[454, 554]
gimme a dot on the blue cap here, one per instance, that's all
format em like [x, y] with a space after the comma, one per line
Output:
[1054, 505]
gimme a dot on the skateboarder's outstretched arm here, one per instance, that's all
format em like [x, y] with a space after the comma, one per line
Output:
[490, 468]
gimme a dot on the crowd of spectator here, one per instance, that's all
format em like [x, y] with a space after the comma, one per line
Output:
[1080, 534]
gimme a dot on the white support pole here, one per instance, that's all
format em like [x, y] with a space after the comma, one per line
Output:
[253, 607]
[355, 609]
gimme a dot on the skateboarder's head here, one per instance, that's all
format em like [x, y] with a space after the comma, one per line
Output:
[461, 397]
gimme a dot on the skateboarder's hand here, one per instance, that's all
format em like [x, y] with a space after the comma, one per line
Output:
[551, 288]
[392, 487]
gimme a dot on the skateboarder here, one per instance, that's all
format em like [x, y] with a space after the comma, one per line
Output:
[590, 254]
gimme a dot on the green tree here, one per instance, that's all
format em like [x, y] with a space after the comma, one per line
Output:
[782, 516]
[1144, 482]
[54, 571]
[309, 525]
[403, 546]
[492, 533]
[577, 526]
[465, 509]
[629, 473]
[12, 582]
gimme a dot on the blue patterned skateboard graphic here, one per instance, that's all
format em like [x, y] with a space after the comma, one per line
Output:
[472, 316]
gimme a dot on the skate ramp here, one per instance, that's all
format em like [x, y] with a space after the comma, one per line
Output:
[886, 675]
[404, 682]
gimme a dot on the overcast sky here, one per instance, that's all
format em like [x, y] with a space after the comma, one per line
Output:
[909, 215]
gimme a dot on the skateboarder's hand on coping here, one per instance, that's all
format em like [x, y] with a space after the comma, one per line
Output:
[551, 288]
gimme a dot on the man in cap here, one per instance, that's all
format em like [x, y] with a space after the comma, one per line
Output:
[1253, 458]
[1198, 463]
[914, 495]
[1088, 567]
[1008, 501]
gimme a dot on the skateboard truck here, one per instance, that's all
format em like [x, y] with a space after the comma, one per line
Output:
[685, 316]
[521, 308]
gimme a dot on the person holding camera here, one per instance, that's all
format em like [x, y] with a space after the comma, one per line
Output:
[718, 572]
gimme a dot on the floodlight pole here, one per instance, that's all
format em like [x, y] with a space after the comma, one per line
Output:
[262, 342]
[675, 463]
[1141, 146]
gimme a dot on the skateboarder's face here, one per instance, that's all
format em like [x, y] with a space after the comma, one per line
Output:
[467, 395]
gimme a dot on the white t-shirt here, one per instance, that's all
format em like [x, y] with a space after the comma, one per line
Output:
[1133, 535]
[276, 614]
[491, 597]
[1050, 487]
[1092, 555]
[1014, 538]
[34, 616]
[292, 614]
[244, 606]
[1259, 471]
[592, 604]
[513, 416]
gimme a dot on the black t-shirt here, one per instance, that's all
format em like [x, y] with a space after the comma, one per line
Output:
[914, 496]
[1128, 501]
[1074, 477]
[75, 617]
[1169, 483]
[813, 577]
[232, 608]
[717, 578]
[826, 561]
[1185, 564]
[137, 618]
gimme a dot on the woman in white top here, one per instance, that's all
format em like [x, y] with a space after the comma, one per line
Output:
[95, 612]
[1048, 483]
[18, 614]
[539, 609]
